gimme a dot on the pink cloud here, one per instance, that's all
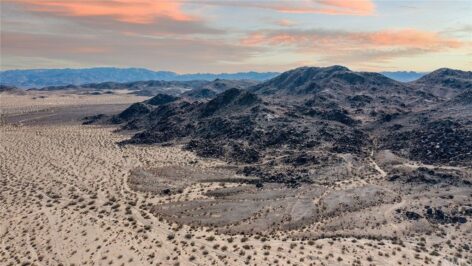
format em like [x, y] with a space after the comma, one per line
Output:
[342, 47]
[409, 38]
[146, 11]
[327, 7]
[130, 11]
[361, 7]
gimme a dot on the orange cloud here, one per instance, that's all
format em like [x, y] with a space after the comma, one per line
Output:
[407, 38]
[131, 11]
[410, 38]
[342, 47]
[361, 7]
[328, 7]
[146, 11]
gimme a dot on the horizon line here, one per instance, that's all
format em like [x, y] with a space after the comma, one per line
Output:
[215, 73]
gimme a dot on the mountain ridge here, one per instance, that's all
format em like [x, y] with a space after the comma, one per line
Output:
[445, 82]
[38, 78]
[312, 115]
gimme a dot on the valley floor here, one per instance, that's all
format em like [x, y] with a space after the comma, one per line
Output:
[65, 200]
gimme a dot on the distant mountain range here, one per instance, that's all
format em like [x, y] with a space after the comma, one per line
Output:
[193, 89]
[38, 78]
[404, 76]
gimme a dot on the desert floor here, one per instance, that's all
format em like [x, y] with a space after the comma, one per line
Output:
[65, 200]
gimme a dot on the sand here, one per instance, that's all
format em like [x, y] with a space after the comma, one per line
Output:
[65, 200]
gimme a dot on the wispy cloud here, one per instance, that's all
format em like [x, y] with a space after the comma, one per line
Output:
[131, 11]
[327, 7]
[177, 53]
[148, 11]
[137, 16]
[306, 39]
[344, 47]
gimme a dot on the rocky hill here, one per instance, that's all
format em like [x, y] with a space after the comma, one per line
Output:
[307, 80]
[241, 127]
[441, 134]
[307, 120]
[211, 89]
[445, 82]
[364, 94]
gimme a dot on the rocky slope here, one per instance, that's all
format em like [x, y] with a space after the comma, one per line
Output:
[445, 82]
[365, 94]
[441, 134]
[210, 90]
[278, 141]
[308, 120]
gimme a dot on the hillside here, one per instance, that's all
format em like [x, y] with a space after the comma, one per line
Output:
[445, 82]
[309, 112]
[367, 95]
[211, 89]
[306, 80]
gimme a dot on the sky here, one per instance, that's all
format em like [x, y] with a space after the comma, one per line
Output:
[188, 36]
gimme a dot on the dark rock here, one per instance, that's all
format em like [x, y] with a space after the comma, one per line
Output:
[424, 175]
[136, 110]
[412, 215]
[161, 99]
[436, 142]
[94, 119]
[438, 216]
